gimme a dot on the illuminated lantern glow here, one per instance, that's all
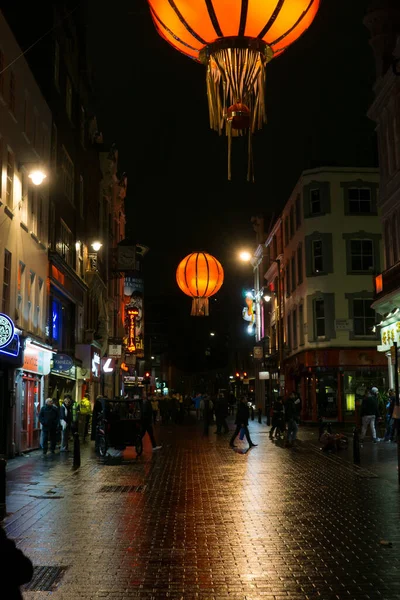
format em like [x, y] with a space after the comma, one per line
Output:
[200, 276]
[234, 39]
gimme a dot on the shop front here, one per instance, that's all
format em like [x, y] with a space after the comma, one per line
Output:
[332, 381]
[30, 394]
[91, 369]
[11, 357]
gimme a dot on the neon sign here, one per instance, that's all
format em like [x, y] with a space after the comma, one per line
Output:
[132, 313]
[6, 330]
[95, 364]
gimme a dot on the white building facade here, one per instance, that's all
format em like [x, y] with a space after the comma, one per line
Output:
[25, 132]
[328, 246]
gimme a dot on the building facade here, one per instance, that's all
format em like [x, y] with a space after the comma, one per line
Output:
[323, 253]
[383, 22]
[25, 134]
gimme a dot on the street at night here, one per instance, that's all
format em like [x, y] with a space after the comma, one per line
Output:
[200, 520]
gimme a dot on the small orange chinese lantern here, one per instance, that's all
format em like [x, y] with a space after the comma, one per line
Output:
[235, 40]
[200, 276]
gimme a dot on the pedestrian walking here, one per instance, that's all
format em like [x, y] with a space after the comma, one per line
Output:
[85, 412]
[292, 408]
[370, 414]
[206, 408]
[48, 417]
[221, 410]
[278, 419]
[15, 568]
[65, 422]
[154, 408]
[389, 431]
[242, 421]
[147, 416]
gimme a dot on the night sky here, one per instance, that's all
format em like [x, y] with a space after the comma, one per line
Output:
[152, 102]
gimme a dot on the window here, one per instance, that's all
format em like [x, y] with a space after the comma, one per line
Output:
[6, 283]
[289, 332]
[24, 196]
[294, 323]
[41, 218]
[299, 265]
[2, 73]
[319, 312]
[317, 256]
[82, 126]
[31, 300]
[315, 202]
[359, 200]
[395, 245]
[362, 255]
[56, 64]
[21, 287]
[301, 324]
[293, 272]
[65, 244]
[288, 287]
[27, 119]
[298, 211]
[56, 321]
[11, 99]
[68, 98]
[67, 175]
[79, 259]
[291, 221]
[39, 305]
[10, 179]
[54, 139]
[286, 231]
[364, 317]
[81, 195]
[32, 202]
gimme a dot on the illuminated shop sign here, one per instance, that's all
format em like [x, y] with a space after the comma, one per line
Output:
[12, 349]
[132, 314]
[389, 335]
[6, 330]
[96, 364]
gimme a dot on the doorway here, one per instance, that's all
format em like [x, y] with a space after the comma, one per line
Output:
[30, 407]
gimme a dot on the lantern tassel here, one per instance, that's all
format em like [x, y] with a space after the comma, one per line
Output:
[200, 307]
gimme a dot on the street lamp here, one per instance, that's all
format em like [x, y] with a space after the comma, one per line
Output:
[245, 256]
[96, 246]
[37, 177]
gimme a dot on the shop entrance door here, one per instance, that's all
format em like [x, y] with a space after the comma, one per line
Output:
[30, 426]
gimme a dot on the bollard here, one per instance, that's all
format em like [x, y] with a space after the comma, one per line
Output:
[3, 464]
[356, 447]
[77, 450]
[259, 415]
[252, 413]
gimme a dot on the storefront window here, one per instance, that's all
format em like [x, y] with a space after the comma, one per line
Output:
[326, 389]
[356, 383]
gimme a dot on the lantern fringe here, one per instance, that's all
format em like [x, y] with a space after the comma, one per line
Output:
[200, 307]
[236, 75]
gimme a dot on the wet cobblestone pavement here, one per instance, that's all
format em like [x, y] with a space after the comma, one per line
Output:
[198, 520]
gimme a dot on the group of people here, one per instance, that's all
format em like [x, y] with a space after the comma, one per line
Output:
[59, 421]
[371, 415]
[286, 418]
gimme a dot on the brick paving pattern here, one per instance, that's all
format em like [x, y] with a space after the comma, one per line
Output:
[197, 520]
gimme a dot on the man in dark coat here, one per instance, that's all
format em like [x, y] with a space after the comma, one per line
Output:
[147, 420]
[221, 412]
[15, 569]
[242, 420]
[49, 418]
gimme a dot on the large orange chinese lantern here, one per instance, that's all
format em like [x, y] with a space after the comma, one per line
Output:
[235, 39]
[200, 276]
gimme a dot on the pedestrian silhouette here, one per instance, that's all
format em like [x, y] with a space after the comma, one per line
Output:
[15, 568]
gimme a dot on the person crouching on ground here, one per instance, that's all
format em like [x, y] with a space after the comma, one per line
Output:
[242, 420]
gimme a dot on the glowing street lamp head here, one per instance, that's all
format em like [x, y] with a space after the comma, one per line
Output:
[96, 246]
[245, 256]
[37, 177]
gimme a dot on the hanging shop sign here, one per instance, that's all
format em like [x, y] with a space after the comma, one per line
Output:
[107, 365]
[12, 348]
[389, 334]
[62, 362]
[258, 352]
[131, 316]
[36, 360]
[96, 364]
[115, 350]
[6, 330]
[263, 375]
